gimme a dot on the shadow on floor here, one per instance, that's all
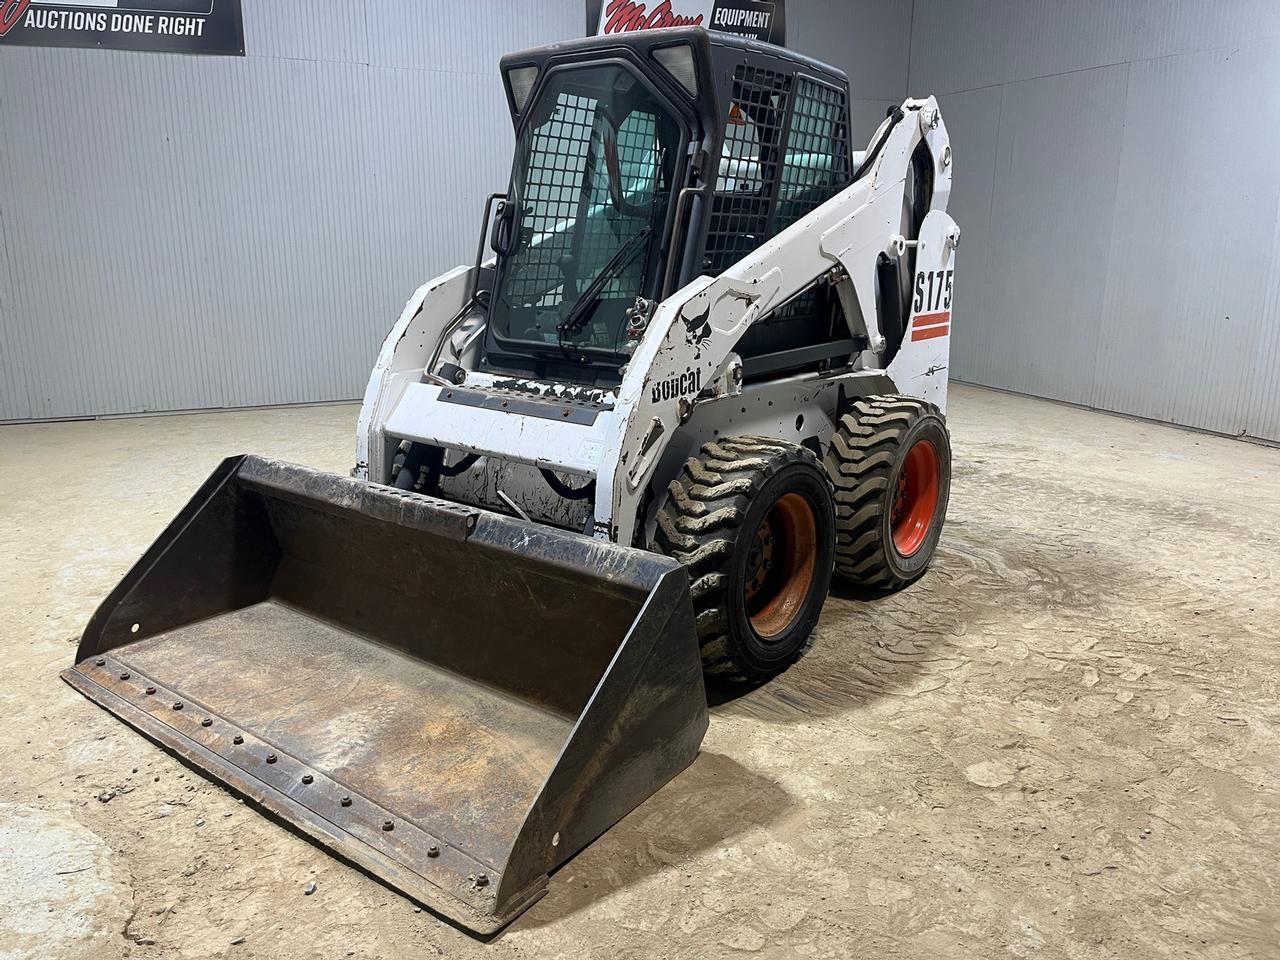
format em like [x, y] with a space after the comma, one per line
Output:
[867, 645]
[712, 801]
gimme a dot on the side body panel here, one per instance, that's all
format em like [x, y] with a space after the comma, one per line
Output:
[696, 329]
[920, 368]
[402, 361]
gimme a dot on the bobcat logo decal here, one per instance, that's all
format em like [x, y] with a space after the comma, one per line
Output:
[677, 385]
[697, 331]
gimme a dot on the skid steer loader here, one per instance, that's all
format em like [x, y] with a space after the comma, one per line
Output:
[703, 368]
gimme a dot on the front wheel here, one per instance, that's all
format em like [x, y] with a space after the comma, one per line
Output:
[890, 463]
[753, 520]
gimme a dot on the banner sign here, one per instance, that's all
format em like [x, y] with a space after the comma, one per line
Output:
[757, 19]
[163, 26]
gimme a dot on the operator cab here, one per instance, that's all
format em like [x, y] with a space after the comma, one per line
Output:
[614, 203]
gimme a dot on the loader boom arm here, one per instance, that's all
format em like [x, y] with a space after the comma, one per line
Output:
[697, 328]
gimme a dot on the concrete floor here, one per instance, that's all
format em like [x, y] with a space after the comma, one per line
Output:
[1061, 743]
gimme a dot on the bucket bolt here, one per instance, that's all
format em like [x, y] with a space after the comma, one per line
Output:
[388, 826]
[433, 850]
[271, 758]
[177, 704]
[307, 778]
[124, 675]
[101, 661]
[345, 801]
[206, 722]
[237, 739]
[150, 690]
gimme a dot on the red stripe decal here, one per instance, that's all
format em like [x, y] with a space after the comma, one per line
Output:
[930, 332]
[932, 319]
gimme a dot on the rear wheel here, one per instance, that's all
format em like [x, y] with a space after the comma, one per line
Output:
[890, 462]
[753, 520]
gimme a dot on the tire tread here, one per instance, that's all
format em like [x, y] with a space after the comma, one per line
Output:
[859, 462]
[699, 524]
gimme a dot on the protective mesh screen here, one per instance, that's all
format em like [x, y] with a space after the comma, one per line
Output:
[817, 163]
[815, 168]
[748, 171]
[811, 167]
[553, 188]
[587, 188]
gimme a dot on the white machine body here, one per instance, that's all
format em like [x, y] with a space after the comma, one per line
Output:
[616, 449]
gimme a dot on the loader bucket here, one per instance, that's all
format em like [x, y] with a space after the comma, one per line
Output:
[453, 700]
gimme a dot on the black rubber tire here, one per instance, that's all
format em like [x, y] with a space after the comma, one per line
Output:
[709, 523]
[864, 461]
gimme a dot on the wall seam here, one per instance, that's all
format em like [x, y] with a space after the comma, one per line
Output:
[1115, 63]
[1111, 239]
[911, 40]
[1256, 400]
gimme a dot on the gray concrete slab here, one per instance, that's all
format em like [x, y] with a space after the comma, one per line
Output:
[1062, 742]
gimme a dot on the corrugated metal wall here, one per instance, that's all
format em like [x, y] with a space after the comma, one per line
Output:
[184, 232]
[188, 232]
[1116, 187]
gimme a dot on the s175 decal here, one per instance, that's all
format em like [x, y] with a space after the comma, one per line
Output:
[933, 290]
[932, 305]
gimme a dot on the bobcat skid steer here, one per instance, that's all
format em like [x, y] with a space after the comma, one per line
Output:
[704, 366]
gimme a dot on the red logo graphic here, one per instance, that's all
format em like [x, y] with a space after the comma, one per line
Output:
[11, 12]
[623, 15]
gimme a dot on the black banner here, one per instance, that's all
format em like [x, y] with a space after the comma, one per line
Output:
[758, 19]
[162, 26]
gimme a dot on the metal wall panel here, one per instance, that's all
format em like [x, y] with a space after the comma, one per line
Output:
[973, 124]
[963, 44]
[307, 29]
[1060, 145]
[1130, 259]
[188, 232]
[14, 401]
[1192, 238]
[1264, 389]
[412, 153]
[192, 232]
[870, 40]
[464, 38]
[182, 241]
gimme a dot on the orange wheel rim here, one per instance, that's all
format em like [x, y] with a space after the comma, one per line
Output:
[916, 498]
[780, 565]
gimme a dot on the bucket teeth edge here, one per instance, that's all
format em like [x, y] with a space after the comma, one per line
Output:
[272, 781]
